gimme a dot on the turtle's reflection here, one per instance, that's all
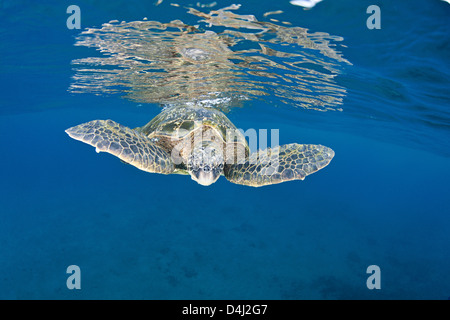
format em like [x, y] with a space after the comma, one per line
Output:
[226, 59]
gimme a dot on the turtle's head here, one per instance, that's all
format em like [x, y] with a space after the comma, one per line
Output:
[205, 164]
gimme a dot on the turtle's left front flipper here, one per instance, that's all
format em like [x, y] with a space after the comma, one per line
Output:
[283, 163]
[127, 144]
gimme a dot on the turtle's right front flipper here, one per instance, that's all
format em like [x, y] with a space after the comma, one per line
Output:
[127, 144]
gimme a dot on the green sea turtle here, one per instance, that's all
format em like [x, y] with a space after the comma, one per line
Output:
[204, 143]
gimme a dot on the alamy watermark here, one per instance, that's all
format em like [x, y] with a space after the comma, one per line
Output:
[74, 20]
[235, 151]
[374, 280]
[74, 280]
[374, 20]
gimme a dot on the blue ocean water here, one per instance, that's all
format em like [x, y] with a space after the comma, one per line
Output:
[382, 201]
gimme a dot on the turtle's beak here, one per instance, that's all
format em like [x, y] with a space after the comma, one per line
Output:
[205, 178]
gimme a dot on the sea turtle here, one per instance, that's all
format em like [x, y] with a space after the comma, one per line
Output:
[204, 143]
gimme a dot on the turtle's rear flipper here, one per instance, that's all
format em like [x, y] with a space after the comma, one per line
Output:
[283, 163]
[127, 144]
